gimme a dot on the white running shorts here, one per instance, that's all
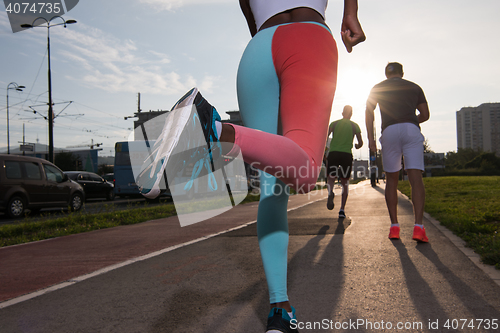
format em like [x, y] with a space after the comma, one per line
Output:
[404, 139]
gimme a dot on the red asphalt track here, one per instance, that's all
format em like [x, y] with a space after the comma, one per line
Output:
[34, 266]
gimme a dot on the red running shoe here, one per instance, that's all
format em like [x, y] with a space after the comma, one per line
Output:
[419, 235]
[394, 233]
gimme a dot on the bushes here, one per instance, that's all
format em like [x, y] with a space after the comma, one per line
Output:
[469, 162]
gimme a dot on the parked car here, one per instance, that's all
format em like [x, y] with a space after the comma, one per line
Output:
[34, 183]
[94, 185]
[110, 177]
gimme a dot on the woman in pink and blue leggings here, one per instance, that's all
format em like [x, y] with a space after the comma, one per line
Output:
[286, 84]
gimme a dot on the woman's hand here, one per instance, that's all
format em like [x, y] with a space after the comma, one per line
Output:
[351, 31]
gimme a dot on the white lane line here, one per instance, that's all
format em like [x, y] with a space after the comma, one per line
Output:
[72, 281]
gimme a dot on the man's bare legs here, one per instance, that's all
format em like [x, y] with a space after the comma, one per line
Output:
[330, 183]
[331, 195]
[345, 192]
[417, 194]
[391, 195]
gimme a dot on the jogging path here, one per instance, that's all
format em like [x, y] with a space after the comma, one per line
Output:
[344, 275]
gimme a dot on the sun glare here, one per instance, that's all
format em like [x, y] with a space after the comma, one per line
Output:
[353, 88]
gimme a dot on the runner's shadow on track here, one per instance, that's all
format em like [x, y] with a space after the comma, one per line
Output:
[316, 273]
[422, 295]
[232, 297]
[470, 299]
[379, 189]
[205, 312]
[201, 306]
[402, 199]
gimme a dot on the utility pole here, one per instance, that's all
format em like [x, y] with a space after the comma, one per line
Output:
[49, 74]
[139, 102]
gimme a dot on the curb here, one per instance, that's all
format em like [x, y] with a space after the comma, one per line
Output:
[489, 270]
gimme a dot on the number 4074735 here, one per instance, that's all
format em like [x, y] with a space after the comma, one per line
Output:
[35, 8]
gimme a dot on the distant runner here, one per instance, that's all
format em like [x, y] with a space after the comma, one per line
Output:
[340, 156]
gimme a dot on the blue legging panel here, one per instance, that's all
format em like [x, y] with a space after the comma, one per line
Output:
[258, 97]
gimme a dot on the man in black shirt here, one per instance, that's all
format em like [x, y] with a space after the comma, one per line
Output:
[398, 99]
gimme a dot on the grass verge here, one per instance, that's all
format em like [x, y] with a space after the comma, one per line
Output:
[469, 207]
[74, 223]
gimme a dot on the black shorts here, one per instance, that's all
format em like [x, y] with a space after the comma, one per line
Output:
[339, 164]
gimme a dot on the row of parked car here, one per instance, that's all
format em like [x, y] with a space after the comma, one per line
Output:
[29, 183]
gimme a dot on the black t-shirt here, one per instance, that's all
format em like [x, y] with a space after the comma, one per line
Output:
[397, 99]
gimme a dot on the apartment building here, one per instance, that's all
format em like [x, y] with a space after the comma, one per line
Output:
[479, 127]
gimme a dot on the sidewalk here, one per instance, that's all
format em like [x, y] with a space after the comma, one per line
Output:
[344, 275]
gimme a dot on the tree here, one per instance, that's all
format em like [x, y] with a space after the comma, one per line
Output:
[104, 169]
[486, 160]
[427, 147]
[68, 161]
[461, 157]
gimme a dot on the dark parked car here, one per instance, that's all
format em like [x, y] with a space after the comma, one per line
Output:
[34, 183]
[110, 177]
[94, 185]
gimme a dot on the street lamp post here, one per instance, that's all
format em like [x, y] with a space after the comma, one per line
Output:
[50, 112]
[18, 88]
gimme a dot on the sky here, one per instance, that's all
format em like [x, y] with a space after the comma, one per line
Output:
[162, 48]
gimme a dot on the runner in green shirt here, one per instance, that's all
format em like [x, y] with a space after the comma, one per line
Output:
[340, 156]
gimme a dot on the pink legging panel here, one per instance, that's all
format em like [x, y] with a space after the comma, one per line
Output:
[305, 60]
